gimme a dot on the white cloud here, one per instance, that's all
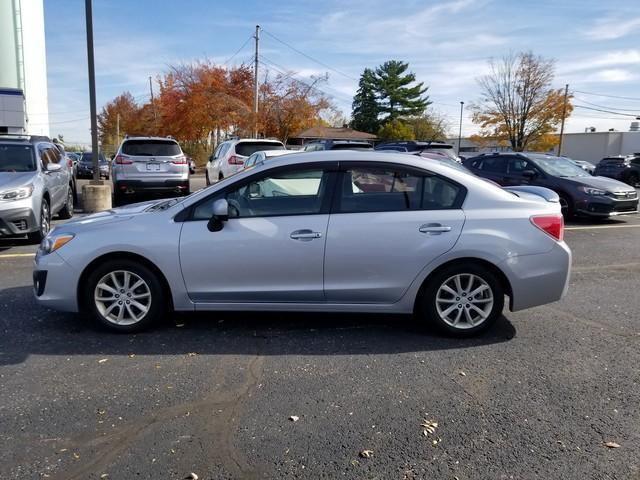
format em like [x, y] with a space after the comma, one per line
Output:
[611, 75]
[613, 28]
[609, 59]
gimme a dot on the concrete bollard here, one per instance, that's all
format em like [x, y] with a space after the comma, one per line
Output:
[96, 198]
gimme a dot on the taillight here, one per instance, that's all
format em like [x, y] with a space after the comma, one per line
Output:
[235, 160]
[69, 163]
[552, 225]
[122, 160]
[179, 161]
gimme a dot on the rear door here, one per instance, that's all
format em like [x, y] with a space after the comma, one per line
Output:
[151, 158]
[56, 182]
[387, 223]
[492, 167]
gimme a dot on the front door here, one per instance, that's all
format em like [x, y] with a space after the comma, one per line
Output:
[272, 247]
[386, 226]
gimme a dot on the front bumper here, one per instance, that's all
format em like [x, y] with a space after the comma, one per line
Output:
[55, 283]
[17, 221]
[606, 207]
[538, 279]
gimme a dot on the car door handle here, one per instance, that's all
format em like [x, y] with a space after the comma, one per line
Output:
[305, 235]
[434, 228]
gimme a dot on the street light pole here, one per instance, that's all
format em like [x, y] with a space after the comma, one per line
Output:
[564, 114]
[460, 129]
[255, 83]
[92, 92]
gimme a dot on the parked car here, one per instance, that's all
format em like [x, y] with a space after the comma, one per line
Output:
[579, 192]
[85, 166]
[34, 186]
[229, 156]
[323, 231]
[626, 169]
[316, 145]
[419, 146]
[144, 165]
[588, 167]
[263, 156]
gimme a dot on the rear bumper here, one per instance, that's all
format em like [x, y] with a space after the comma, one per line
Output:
[126, 186]
[538, 279]
[17, 221]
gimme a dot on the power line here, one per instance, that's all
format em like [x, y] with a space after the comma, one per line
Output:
[610, 96]
[609, 108]
[239, 50]
[608, 111]
[310, 57]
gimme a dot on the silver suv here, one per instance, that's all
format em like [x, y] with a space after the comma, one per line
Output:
[229, 156]
[35, 184]
[149, 165]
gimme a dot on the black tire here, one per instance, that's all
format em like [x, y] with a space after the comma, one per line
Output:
[633, 179]
[429, 308]
[206, 178]
[566, 206]
[44, 224]
[118, 199]
[220, 177]
[67, 210]
[157, 299]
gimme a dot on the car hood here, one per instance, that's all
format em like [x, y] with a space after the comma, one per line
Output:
[14, 179]
[604, 183]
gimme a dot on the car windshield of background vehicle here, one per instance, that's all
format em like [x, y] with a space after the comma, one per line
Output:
[249, 148]
[16, 158]
[151, 148]
[559, 167]
[88, 158]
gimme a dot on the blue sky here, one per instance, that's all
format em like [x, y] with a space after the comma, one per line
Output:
[596, 45]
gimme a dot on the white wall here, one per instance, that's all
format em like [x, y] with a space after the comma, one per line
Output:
[35, 66]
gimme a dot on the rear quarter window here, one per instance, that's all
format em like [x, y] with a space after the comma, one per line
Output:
[151, 148]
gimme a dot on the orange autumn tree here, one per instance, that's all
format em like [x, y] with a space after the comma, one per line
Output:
[202, 103]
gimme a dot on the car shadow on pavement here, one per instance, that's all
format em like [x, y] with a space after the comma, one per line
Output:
[29, 329]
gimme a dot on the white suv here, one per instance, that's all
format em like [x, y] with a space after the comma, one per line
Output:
[229, 157]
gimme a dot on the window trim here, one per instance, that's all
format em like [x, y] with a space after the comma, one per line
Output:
[331, 168]
[344, 166]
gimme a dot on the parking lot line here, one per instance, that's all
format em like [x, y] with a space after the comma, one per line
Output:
[16, 255]
[598, 227]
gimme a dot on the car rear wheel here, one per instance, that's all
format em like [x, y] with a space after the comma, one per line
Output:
[124, 295]
[44, 224]
[206, 177]
[463, 300]
[67, 210]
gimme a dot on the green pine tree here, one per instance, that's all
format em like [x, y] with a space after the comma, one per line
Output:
[365, 108]
[395, 97]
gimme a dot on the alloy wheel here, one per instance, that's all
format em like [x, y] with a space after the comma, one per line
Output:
[45, 219]
[564, 206]
[122, 297]
[464, 301]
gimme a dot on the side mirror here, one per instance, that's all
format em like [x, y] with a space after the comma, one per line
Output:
[53, 167]
[220, 215]
[529, 174]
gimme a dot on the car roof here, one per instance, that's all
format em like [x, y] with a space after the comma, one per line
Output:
[255, 140]
[167, 139]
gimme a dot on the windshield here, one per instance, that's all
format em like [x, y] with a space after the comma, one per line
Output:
[558, 166]
[17, 158]
[88, 158]
[249, 148]
[151, 148]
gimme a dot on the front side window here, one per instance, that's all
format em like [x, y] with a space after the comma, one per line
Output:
[493, 165]
[385, 190]
[289, 192]
[518, 165]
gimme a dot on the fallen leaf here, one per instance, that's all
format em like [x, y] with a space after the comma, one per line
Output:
[612, 445]
[179, 325]
[191, 354]
[131, 355]
[429, 427]
[104, 475]
[191, 476]
[102, 360]
[75, 455]
[355, 463]
[294, 418]
[366, 453]
[63, 450]
[462, 374]
[101, 412]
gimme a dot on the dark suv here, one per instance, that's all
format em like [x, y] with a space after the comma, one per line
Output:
[580, 193]
[625, 169]
[336, 145]
[414, 146]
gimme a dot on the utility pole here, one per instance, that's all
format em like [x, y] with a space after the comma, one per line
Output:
[564, 114]
[153, 103]
[118, 130]
[460, 130]
[255, 83]
[92, 92]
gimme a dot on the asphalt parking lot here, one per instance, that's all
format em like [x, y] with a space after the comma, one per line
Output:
[538, 396]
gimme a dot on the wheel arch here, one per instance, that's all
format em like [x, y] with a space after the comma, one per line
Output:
[120, 256]
[500, 275]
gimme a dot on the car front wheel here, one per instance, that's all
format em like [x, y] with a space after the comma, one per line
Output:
[44, 226]
[463, 300]
[124, 295]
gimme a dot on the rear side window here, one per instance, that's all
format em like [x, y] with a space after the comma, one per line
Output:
[151, 148]
[249, 148]
[384, 190]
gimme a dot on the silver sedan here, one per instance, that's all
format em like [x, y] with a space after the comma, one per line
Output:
[325, 231]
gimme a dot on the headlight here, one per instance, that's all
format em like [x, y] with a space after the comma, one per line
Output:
[51, 243]
[592, 191]
[17, 193]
